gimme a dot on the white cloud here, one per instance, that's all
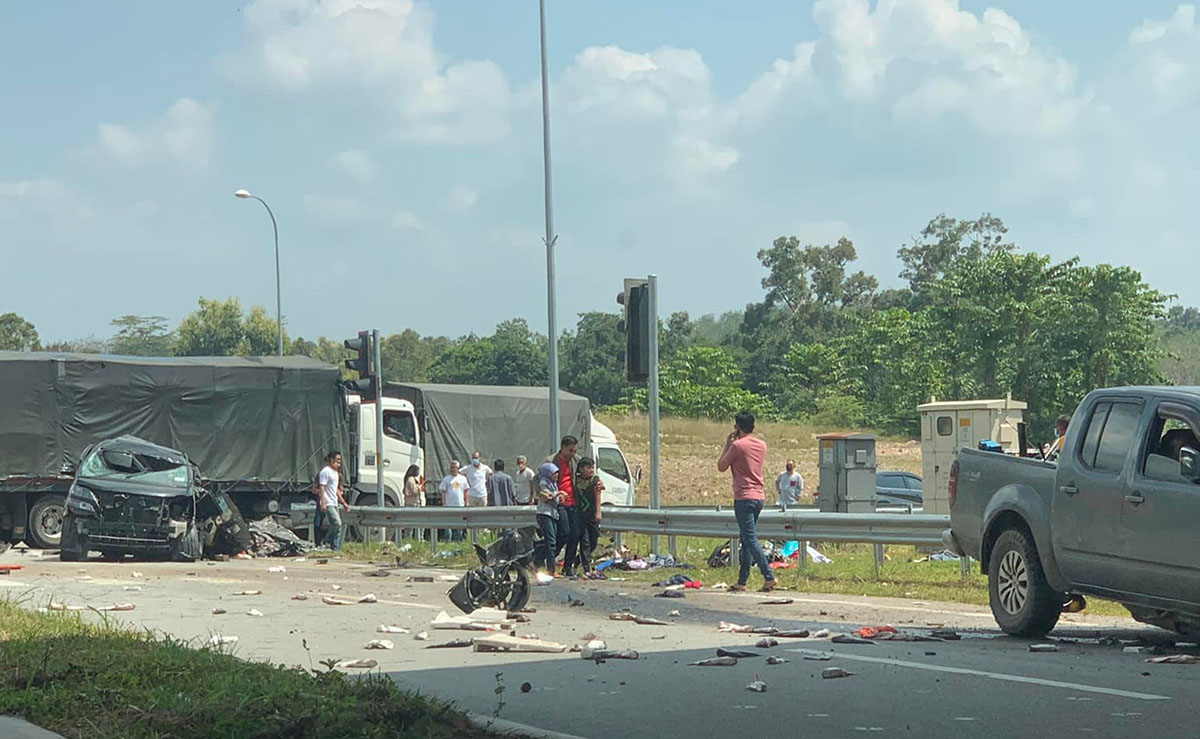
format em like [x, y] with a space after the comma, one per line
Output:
[382, 49]
[357, 165]
[407, 221]
[41, 189]
[333, 209]
[183, 135]
[460, 198]
[1164, 62]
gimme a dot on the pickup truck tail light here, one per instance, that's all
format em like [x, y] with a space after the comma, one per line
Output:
[952, 486]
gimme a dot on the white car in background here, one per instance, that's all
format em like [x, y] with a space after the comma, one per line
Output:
[611, 467]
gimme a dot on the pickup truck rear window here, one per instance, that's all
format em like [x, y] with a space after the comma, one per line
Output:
[1111, 433]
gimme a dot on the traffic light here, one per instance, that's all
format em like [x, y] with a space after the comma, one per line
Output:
[636, 325]
[367, 384]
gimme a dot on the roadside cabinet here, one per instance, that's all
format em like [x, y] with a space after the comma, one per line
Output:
[846, 464]
[947, 426]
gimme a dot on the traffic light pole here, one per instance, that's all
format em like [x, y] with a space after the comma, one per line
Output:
[551, 238]
[653, 392]
[379, 462]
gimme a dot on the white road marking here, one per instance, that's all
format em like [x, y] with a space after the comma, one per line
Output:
[995, 676]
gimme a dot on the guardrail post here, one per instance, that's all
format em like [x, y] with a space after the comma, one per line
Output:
[964, 566]
[671, 546]
[618, 542]
[735, 545]
[474, 535]
[878, 558]
[802, 553]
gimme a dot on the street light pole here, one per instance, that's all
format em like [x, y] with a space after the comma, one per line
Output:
[551, 238]
[278, 299]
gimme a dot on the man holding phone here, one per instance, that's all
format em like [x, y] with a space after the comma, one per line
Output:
[743, 456]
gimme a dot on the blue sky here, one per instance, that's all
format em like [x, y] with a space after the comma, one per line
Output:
[399, 145]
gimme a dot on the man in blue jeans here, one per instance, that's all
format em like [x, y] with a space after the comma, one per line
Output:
[330, 484]
[743, 457]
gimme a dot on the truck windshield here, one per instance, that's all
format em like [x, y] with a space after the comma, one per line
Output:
[140, 467]
[610, 461]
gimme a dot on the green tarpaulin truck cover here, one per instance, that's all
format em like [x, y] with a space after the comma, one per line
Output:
[238, 418]
[498, 421]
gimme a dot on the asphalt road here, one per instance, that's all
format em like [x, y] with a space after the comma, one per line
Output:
[986, 684]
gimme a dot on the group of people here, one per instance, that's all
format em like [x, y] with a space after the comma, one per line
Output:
[478, 484]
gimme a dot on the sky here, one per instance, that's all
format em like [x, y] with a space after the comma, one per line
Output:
[399, 145]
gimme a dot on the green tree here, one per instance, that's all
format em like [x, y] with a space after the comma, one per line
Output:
[220, 329]
[704, 382]
[17, 334]
[943, 244]
[590, 364]
[141, 336]
[513, 355]
[324, 350]
[408, 356]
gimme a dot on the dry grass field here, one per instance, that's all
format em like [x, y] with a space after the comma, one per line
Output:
[690, 448]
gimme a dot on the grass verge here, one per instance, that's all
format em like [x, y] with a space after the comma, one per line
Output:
[96, 680]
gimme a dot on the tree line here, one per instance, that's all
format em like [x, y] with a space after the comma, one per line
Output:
[978, 317]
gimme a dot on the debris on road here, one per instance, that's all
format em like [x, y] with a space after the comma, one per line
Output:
[1043, 647]
[135, 573]
[526, 687]
[776, 602]
[357, 663]
[218, 640]
[421, 578]
[299, 596]
[871, 632]
[820, 634]
[329, 600]
[715, 662]
[543, 578]
[766, 643]
[1175, 659]
[421, 636]
[380, 644]
[773, 660]
[368, 598]
[730, 627]
[735, 653]
[621, 616]
[452, 644]
[849, 639]
[672, 614]
[573, 602]
[254, 612]
[820, 657]
[1152, 649]
[829, 673]
[602, 655]
[276, 569]
[669, 594]
[385, 629]
[945, 634]
[248, 592]
[118, 607]
[506, 643]
[336, 587]
[793, 634]
[378, 573]
[757, 686]
[132, 588]
[218, 611]
[648, 621]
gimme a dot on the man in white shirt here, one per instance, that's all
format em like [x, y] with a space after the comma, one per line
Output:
[477, 474]
[329, 482]
[789, 485]
[523, 483]
[453, 488]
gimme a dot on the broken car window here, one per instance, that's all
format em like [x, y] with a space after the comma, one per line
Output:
[141, 467]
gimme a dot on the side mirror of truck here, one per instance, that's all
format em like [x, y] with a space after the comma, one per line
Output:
[637, 475]
[1189, 464]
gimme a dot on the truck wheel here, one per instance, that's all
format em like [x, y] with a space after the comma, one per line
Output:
[1022, 601]
[72, 546]
[46, 521]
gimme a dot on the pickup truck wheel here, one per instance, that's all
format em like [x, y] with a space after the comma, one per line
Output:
[46, 521]
[1022, 601]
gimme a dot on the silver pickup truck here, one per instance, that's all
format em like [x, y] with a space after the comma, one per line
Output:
[1113, 518]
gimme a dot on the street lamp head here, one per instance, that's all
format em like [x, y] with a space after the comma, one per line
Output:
[243, 194]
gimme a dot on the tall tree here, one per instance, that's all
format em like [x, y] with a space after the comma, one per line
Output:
[17, 334]
[144, 336]
[943, 243]
[220, 328]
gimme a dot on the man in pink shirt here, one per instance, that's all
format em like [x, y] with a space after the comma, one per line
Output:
[743, 456]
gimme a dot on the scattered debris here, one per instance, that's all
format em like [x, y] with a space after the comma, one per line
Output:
[422, 636]
[945, 634]
[735, 653]
[218, 611]
[299, 596]
[526, 687]
[871, 632]
[720, 586]
[380, 644]
[830, 673]
[1152, 649]
[1175, 659]
[452, 644]
[329, 600]
[659, 637]
[336, 587]
[135, 573]
[573, 602]
[766, 643]
[118, 607]
[248, 592]
[385, 629]
[217, 640]
[368, 598]
[621, 616]
[254, 612]
[133, 588]
[793, 634]
[733, 628]
[757, 686]
[777, 602]
[669, 594]
[820, 634]
[1043, 647]
[905, 636]
[363, 663]
[506, 643]
[818, 657]
[715, 662]
[773, 660]
[848, 639]
[601, 655]
[543, 578]
[672, 614]
[447, 578]
[420, 578]
[647, 621]
[276, 568]
[378, 573]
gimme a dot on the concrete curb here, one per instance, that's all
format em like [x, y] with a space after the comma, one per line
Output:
[503, 728]
[12, 727]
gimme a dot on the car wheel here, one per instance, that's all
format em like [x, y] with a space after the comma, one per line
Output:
[1022, 601]
[72, 546]
[46, 521]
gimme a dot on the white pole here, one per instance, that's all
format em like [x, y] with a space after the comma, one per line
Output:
[551, 238]
[653, 380]
[379, 461]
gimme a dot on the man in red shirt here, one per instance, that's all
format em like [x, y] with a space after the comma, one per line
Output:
[568, 512]
[743, 456]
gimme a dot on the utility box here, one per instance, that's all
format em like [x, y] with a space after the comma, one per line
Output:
[947, 426]
[847, 473]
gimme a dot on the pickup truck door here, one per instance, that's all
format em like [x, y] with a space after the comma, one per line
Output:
[1090, 492]
[1159, 517]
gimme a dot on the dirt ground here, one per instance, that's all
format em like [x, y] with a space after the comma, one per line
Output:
[690, 448]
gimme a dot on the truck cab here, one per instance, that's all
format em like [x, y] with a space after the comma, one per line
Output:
[611, 466]
[401, 449]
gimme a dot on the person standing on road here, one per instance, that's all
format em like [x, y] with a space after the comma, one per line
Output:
[568, 513]
[547, 515]
[412, 496]
[453, 489]
[789, 485]
[500, 486]
[588, 488]
[524, 483]
[477, 474]
[743, 457]
[330, 482]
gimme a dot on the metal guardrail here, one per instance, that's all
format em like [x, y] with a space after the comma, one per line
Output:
[866, 528]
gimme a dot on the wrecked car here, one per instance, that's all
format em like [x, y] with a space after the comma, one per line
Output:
[131, 496]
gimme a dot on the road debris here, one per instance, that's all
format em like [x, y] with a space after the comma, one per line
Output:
[777, 602]
[735, 653]
[829, 673]
[276, 569]
[526, 687]
[118, 607]
[132, 588]
[420, 578]
[818, 657]
[218, 640]
[248, 592]
[602, 655]
[543, 578]
[379, 644]
[766, 643]
[1175, 659]
[218, 611]
[452, 644]
[573, 602]
[507, 643]
[849, 639]
[648, 621]
[621, 616]
[329, 600]
[299, 596]
[1152, 649]
[357, 663]
[368, 598]
[757, 686]
[871, 632]
[773, 660]
[135, 573]
[421, 636]
[1043, 647]
[945, 634]
[793, 634]
[336, 587]
[715, 662]
[254, 612]
[819, 634]
[672, 614]
[378, 573]
[385, 629]
[670, 594]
